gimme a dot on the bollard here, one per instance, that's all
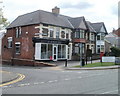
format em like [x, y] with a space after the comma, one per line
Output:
[65, 62]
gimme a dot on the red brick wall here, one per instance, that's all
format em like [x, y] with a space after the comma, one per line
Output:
[26, 47]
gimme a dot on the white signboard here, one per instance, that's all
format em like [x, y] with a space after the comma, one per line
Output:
[108, 59]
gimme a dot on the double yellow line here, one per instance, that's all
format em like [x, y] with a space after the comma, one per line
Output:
[21, 77]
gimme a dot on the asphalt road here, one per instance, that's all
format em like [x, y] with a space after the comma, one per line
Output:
[57, 81]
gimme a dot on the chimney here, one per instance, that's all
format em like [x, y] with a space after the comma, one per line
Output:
[56, 10]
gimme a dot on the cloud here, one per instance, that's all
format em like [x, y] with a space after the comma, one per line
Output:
[79, 5]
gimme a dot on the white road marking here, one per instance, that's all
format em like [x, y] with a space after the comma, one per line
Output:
[109, 92]
[42, 82]
[55, 80]
[50, 81]
[36, 83]
[67, 79]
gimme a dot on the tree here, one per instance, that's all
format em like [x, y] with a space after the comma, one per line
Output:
[3, 21]
[115, 51]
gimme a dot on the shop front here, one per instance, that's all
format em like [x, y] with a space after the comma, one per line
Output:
[51, 49]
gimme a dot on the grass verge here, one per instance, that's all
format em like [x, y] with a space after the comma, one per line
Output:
[99, 64]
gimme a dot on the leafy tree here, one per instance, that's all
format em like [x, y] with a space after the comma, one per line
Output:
[115, 51]
[3, 21]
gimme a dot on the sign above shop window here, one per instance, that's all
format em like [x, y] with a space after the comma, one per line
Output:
[50, 40]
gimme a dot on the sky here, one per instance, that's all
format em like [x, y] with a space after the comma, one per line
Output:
[93, 10]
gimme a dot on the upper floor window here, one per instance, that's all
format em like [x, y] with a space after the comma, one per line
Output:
[57, 32]
[9, 42]
[44, 32]
[92, 36]
[67, 34]
[18, 32]
[82, 34]
[98, 37]
[51, 32]
[77, 34]
[63, 34]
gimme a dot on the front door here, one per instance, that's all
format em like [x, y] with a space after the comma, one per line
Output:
[54, 53]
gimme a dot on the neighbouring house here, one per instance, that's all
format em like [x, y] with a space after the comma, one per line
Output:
[112, 40]
[101, 32]
[91, 38]
[42, 36]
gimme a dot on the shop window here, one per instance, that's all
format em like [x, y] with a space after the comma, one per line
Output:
[9, 42]
[17, 47]
[44, 32]
[46, 51]
[18, 32]
[63, 34]
[61, 51]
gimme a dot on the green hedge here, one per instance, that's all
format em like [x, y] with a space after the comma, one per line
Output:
[115, 51]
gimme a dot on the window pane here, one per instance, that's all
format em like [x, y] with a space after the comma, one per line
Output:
[62, 34]
[59, 51]
[57, 32]
[43, 51]
[49, 50]
[17, 46]
[45, 32]
[98, 37]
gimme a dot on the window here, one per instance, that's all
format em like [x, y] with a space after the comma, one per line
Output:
[61, 51]
[77, 49]
[44, 32]
[45, 25]
[77, 34]
[63, 34]
[46, 51]
[51, 32]
[57, 32]
[98, 37]
[92, 36]
[17, 47]
[68, 52]
[102, 48]
[82, 33]
[67, 34]
[98, 48]
[9, 42]
[18, 32]
[102, 36]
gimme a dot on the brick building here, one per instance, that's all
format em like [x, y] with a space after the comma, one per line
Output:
[42, 35]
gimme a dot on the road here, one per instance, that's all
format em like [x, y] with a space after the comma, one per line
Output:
[54, 80]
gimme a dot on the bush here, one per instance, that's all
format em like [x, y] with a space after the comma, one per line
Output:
[115, 52]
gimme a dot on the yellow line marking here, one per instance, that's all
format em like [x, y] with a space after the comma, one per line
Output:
[14, 81]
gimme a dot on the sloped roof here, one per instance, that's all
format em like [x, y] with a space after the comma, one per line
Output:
[41, 16]
[76, 22]
[89, 24]
[97, 27]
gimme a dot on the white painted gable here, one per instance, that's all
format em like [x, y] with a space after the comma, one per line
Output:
[102, 29]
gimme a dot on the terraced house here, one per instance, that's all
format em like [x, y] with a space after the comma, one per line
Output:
[42, 35]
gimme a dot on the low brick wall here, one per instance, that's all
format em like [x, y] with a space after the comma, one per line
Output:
[26, 62]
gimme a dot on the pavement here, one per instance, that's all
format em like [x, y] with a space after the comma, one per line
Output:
[10, 76]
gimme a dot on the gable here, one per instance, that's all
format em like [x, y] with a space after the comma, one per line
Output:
[102, 29]
[82, 25]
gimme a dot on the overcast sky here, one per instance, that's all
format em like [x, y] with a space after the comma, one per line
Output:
[93, 10]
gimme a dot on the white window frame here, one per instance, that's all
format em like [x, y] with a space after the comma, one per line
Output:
[10, 42]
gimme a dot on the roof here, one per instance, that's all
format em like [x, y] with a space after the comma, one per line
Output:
[89, 24]
[41, 16]
[76, 22]
[97, 27]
